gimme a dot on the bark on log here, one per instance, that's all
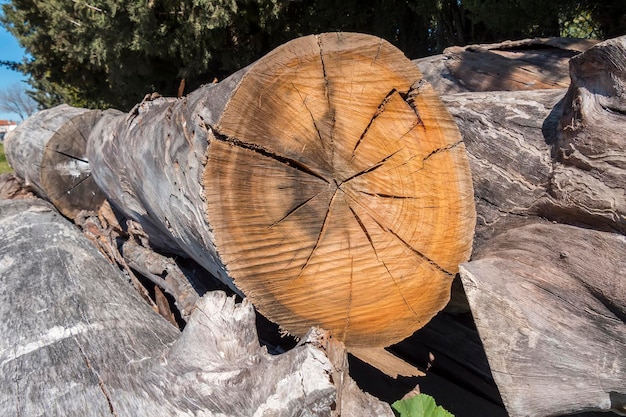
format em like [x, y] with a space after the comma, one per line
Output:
[48, 152]
[549, 153]
[77, 341]
[326, 182]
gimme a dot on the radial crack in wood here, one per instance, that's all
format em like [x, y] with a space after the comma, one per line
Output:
[338, 190]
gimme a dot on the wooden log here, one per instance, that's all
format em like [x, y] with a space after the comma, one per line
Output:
[48, 152]
[549, 299]
[550, 304]
[550, 154]
[509, 154]
[325, 181]
[77, 341]
[528, 64]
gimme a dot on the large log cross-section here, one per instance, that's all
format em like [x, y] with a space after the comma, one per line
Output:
[326, 182]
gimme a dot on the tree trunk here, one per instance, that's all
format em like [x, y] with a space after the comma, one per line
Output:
[77, 341]
[48, 152]
[548, 299]
[325, 181]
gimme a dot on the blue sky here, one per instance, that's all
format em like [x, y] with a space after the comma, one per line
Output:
[10, 50]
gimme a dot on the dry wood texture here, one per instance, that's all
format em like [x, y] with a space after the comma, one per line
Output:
[529, 64]
[77, 341]
[335, 190]
[550, 303]
[549, 299]
[48, 152]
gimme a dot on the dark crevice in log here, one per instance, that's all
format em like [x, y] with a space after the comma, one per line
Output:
[421, 255]
[369, 238]
[331, 109]
[372, 168]
[294, 210]
[71, 156]
[442, 149]
[320, 236]
[306, 106]
[379, 111]
[74, 186]
[411, 96]
[269, 154]
[101, 385]
[399, 197]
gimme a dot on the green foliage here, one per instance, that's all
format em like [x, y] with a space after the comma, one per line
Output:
[110, 53]
[113, 52]
[4, 165]
[421, 405]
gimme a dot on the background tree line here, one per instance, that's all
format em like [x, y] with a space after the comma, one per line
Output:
[110, 53]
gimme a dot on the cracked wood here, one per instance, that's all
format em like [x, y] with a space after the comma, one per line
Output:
[326, 182]
[48, 151]
[337, 188]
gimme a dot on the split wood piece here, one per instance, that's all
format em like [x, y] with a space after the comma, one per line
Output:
[386, 362]
[48, 152]
[184, 284]
[528, 64]
[76, 340]
[550, 306]
[335, 185]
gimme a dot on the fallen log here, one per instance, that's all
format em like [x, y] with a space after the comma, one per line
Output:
[528, 64]
[325, 181]
[550, 303]
[548, 299]
[48, 152]
[77, 341]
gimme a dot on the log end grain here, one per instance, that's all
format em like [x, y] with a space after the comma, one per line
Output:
[338, 190]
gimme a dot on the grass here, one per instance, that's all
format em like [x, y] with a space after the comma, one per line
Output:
[4, 165]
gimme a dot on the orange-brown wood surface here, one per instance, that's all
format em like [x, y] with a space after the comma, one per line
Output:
[338, 190]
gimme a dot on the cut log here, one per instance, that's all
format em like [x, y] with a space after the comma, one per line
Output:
[326, 182]
[48, 152]
[550, 304]
[75, 340]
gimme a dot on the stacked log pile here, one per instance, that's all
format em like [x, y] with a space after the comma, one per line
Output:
[330, 186]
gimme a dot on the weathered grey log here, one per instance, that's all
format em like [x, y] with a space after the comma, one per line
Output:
[528, 64]
[48, 152]
[547, 153]
[549, 299]
[77, 341]
[509, 154]
[549, 302]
